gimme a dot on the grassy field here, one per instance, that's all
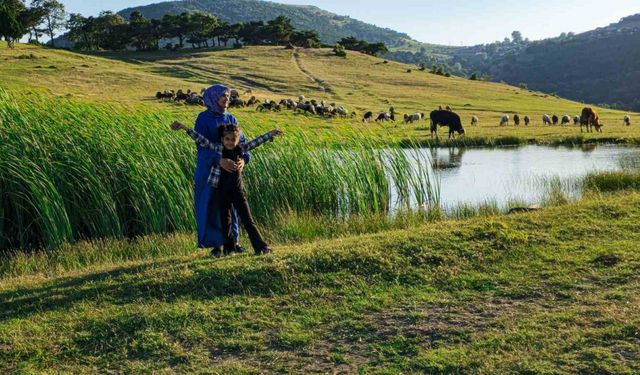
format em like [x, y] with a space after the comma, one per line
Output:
[359, 82]
[553, 292]
[88, 159]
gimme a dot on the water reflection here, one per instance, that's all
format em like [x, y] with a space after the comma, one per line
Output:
[523, 174]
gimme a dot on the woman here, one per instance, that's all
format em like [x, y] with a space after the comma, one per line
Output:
[207, 210]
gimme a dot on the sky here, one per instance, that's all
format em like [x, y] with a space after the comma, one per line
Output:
[450, 22]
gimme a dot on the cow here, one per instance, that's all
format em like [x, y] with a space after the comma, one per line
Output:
[546, 120]
[590, 119]
[527, 120]
[555, 119]
[445, 118]
[627, 120]
[576, 120]
[413, 117]
[516, 119]
[474, 120]
[565, 120]
[504, 120]
[367, 116]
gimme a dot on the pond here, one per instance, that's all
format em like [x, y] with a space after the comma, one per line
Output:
[519, 175]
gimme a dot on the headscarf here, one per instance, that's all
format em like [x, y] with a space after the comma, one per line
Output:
[211, 97]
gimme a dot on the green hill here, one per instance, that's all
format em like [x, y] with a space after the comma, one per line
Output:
[330, 27]
[598, 66]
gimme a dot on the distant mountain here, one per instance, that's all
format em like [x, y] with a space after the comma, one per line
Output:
[601, 66]
[330, 27]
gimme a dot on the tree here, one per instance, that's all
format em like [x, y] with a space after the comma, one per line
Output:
[306, 39]
[54, 16]
[374, 49]
[252, 32]
[30, 19]
[279, 30]
[112, 31]
[516, 37]
[82, 31]
[10, 26]
[339, 50]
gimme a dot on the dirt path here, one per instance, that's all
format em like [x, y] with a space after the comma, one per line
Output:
[322, 84]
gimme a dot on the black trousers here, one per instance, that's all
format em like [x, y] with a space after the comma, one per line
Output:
[235, 197]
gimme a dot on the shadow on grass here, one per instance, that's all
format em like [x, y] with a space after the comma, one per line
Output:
[201, 280]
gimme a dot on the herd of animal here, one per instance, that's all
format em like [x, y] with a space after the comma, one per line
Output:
[588, 119]
[189, 97]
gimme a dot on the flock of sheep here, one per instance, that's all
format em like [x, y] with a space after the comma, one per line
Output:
[588, 119]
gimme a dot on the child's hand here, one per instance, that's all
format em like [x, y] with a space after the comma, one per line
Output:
[178, 126]
[276, 132]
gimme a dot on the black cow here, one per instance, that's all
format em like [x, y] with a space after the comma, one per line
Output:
[516, 120]
[445, 118]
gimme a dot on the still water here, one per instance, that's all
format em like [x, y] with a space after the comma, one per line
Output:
[524, 174]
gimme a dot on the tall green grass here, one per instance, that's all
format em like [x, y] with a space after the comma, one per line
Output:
[74, 170]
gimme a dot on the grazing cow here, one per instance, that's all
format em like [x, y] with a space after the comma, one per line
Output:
[590, 119]
[555, 119]
[576, 120]
[627, 120]
[384, 116]
[504, 120]
[414, 117]
[474, 120]
[516, 119]
[445, 118]
[527, 120]
[367, 116]
[546, 120]
[565, 120]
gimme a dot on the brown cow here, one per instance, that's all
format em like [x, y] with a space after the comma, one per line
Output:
[589, 118]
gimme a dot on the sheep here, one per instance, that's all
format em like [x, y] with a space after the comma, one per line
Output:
[527, 120]
[516, 119]
[384, 116]
[576, 120]
[268, 106]
[627, 120]
[448, 108]
[234, 93]
[253, 101]
[565, 120]
[504, 120]
[367, 116]
[474, 120]
[555, 119]
[341, 111]
[413, 117]
[546, 120]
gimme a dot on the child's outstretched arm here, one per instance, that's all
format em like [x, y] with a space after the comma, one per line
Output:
[268, 136]
[197, 137]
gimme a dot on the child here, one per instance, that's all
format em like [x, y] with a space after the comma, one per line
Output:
[229, 183]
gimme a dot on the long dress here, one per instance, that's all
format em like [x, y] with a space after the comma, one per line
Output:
[206, 199]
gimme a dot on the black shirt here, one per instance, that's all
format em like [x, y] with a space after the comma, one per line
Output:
[231, 180]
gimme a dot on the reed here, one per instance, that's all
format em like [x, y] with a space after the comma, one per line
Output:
[76, 171]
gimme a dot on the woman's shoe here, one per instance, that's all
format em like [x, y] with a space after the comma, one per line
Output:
[216, 252]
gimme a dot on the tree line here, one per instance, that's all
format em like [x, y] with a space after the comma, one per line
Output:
[110, 31]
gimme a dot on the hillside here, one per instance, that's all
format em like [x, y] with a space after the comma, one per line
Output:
[330, 27]
[360, 82]
[598, 66]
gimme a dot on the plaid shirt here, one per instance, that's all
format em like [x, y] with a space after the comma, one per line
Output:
[214, 176]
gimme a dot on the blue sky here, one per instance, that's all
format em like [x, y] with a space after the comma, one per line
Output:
[452, 22]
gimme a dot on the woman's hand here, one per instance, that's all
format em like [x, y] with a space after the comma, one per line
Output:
[240, 165]
[228, 165]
